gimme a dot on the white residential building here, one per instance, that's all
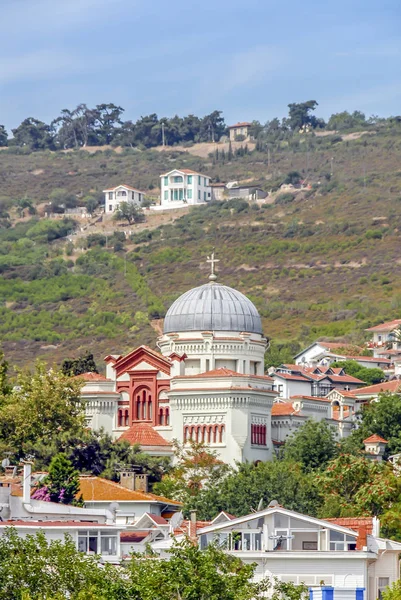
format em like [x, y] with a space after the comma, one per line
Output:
[94, 530]
[121, 193]
[184, 186]
[338, 559]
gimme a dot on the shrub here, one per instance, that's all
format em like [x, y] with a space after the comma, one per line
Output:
[373, 234]
[284, 198]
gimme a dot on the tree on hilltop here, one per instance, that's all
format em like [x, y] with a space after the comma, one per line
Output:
[130, 212]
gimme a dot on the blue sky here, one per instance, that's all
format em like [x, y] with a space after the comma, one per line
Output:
[248, 58]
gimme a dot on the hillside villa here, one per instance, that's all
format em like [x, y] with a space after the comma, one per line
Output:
[239, 129]
[184, 186]
[121, 193]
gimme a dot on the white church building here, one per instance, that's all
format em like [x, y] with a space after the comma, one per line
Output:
[206, 383]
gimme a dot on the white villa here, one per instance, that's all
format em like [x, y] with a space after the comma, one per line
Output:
[121, 193]
[338, 559]
[181, 187]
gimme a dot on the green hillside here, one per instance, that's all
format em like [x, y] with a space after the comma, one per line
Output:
[322, 262]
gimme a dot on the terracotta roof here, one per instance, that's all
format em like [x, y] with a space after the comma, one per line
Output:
[124, 186]
[344, 379]
[385, 386]
[133, 536]
[222, 372]
[283, 408]
[144, 435]
[387, 326]
[92, 377]
[290, 376]
[183, 528]
[97, 489]
[244, 124]
[20, 523]
[369, 359]
[187, 171]
[375, 438]
[317, 398]
[353, 523]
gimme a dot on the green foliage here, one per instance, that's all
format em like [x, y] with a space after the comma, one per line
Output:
[196, 471]
[240, 490]
[357, 485]
[39, 406]
[382, 418]
[62, 482]
[285, 198]
[130, 212]
[77, 366]
[313, 445]
[280, 353]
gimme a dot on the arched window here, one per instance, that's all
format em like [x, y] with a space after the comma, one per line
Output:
[120, 419]
[193, 431]
[150, 409]
[126, 418]
[138, 407]
[167, 413]
[221, 434]
[209, 434]
[215, 427]
[161, 417]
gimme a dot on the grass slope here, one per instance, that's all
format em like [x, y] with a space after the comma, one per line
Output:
[323, 263]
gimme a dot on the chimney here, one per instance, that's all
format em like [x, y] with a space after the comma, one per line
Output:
[137, 482]
[362, 539]
[192, 526]
[26, 487]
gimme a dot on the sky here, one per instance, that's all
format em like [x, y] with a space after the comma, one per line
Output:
[248, 58]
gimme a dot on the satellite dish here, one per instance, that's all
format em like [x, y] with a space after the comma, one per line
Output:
[176, 520]
[5, 462]
[260, 505]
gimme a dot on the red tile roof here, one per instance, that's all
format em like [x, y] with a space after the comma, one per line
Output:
[387, 326]
[353, 523]
[144, 435]
[92, 377]
[385, 386]
[280, 409]
[133, 536]
[20, 523]
[157, 519]
[317, 398]
[344, 379]
[290, 376]
[221, 372]
[369, 359]
[375, 438]
[124, 186]
[97, 489]
[244, 124]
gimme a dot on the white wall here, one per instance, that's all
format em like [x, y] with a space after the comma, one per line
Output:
[196, 192]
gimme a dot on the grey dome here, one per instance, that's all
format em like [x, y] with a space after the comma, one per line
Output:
[212, 307]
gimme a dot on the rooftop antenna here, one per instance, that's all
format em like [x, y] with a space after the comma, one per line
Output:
[212, 261]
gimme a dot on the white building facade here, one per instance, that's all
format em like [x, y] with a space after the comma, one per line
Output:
[121, 193]
[184, 186]
[338, 559]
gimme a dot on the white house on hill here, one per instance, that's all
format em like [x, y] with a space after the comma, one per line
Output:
[184, 186]
[338, 559]
[121, 193]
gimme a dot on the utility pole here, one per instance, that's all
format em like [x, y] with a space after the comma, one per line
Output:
[163, 138]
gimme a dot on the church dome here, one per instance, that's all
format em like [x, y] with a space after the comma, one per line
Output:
[212, 307]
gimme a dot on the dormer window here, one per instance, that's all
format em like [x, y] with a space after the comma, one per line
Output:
[341, 541]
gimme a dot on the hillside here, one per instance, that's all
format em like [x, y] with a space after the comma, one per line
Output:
[324, 262]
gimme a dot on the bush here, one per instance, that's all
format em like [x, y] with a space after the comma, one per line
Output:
[373, 234]
[284, 198]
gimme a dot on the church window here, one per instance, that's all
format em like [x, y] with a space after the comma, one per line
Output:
[161, 417]
[138, 407]
[126, 418]
[120, 418]
[167, 416]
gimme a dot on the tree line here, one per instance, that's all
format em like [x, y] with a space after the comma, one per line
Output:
[104, 124]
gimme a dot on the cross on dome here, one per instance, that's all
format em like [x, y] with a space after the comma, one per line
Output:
[212, 261]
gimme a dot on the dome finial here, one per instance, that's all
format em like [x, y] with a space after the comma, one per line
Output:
[212, 261]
